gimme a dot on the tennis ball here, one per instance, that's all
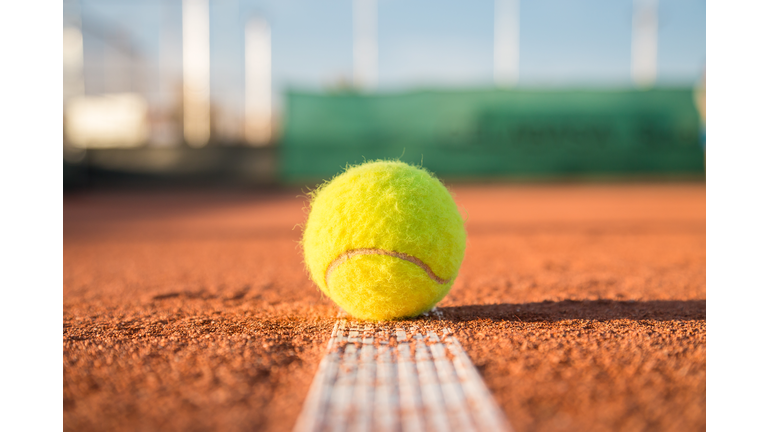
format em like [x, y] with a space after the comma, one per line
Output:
[384, 240]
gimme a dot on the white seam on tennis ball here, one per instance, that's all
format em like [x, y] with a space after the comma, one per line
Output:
[412, 259]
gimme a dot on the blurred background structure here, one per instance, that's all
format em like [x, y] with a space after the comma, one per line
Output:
[262, 92]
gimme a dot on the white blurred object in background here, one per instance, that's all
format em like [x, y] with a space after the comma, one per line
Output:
[645, 26]
[73, 62]
[365, 45]
[506, 43]
[258, 82]
[196, 59]
[108, 121]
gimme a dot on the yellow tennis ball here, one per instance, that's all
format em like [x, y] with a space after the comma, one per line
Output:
[384, 240]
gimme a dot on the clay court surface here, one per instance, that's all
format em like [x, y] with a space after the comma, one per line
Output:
[582, 306]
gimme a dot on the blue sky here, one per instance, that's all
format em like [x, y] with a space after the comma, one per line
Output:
[422, 43]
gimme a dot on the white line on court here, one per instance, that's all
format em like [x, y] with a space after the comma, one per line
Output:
[375, 379]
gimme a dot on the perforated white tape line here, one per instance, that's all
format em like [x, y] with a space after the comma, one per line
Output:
[409, 380]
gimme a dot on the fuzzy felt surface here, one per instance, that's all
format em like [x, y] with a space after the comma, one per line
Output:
[391, 207]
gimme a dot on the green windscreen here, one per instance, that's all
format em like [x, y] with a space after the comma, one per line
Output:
[494, 133]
